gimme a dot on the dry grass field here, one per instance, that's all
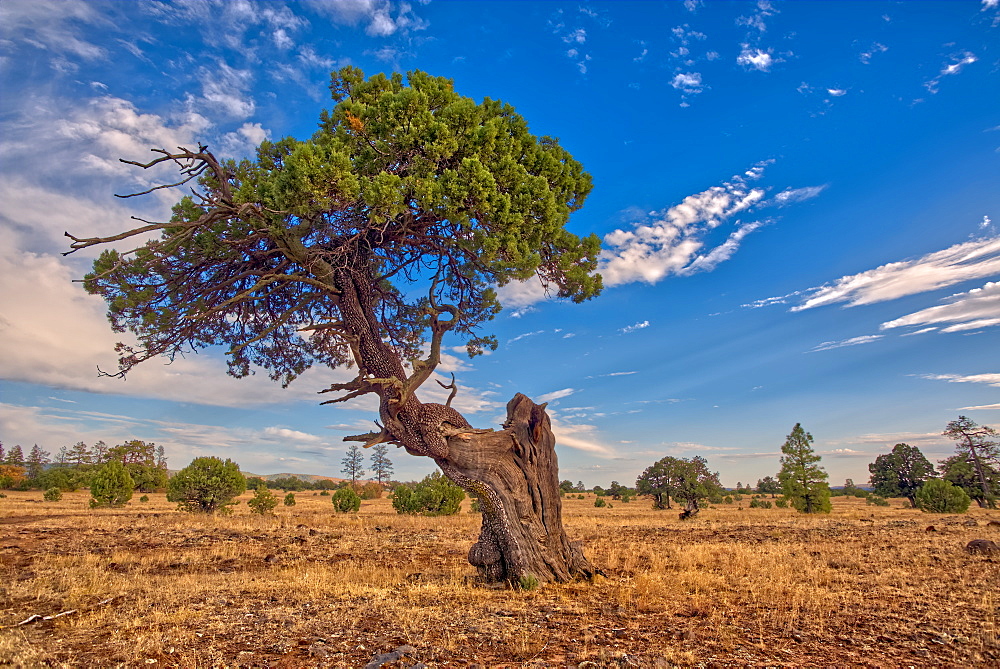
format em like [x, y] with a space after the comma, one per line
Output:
[151, 587]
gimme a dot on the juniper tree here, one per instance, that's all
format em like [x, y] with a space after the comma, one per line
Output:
[803, 481]
[979, 443]
[366, 245]
[900, 473]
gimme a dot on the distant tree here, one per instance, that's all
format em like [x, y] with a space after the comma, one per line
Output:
[768, 486]
[353, 463]
[580, 486]
[111, 486]
[961, 471]
[435, 495]
[79, 455]
[2, 454]
[381, 464]
[980, 443]
[566, 486]
[686, 480]
[11, 476]
[35, 462]
[206, 485]
[616, 489]
[263, 501]
[900, 473]
[99, 453]
[694, 483]
[803, 482]
[346, 500]
[940, 496]
[659, 481]
[15, 457]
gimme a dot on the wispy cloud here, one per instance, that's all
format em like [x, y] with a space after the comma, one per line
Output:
[962, 262]
[634, 327]
[853, 341]
[983, 407]
[672, 241]
[380, 18]
[555, 395]
[796, 195]
[866, 55]
[756, 59]
[988, 379]
[955, 64]
[977, 308]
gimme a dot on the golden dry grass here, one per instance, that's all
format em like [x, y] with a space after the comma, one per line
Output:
[153, 587]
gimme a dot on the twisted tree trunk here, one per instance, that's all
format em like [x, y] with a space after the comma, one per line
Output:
[515, 475]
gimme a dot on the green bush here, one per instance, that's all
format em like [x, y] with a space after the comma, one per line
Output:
[207, 485]
[728, 499]
[781, 503]
[325, 493]
[111, 486]
[346, 500]
[53, 495]
[436, 495]
[263, 501]
[940, 496]
[758, 503]
[876, 500]
[599, 502]
[144, 498]
[290, 499]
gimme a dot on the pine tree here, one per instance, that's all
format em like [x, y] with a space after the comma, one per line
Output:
[37, 459]
[112, 486]
[381, 464]
[352, 463]
[980, 445]
[802, 480]
[15, 457]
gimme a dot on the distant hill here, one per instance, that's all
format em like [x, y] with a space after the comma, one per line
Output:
[304, 477]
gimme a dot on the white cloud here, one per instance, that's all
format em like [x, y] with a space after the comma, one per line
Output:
[796, 195]
[578, 437]
[243, 141]
[669, 242]
[962, 262]
[988, 379]
[633, 328]
[689, 82]
[876, 47]
[955, 64]
[983, 407]
[225, 89]
[52, 26]
[853, 341]
[554, 395]
[837, 92]
[756, 59]
[990, 4]
[977, 308]
[285, 434]
[381, 17]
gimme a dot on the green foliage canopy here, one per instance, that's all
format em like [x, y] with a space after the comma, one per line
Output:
[900, 473]
[206, 485]
[406, 185]
[111, 486]
[435, 495]
[803, 481]
[940, 496]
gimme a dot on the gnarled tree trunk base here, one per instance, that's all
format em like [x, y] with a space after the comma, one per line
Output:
[514, 474]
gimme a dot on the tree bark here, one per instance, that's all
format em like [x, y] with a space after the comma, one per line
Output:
[515, 475]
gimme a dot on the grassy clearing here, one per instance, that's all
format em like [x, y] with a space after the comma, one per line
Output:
[307, 587]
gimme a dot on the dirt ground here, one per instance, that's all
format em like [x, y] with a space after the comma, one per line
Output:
[152, 587]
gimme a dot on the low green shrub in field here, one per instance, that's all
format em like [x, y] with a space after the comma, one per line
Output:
[290, 499]
[112, 486]
[781, 503]
[940, 496]
[758, 503]
[875, 500]
[599, 502]
[263, 501]
[53, 495]
[346, 500]
[435, 495]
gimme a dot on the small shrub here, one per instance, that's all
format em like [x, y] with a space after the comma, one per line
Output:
[207, 485]
[112, 486]
[599, 502]
[580, 497]
[528, 582]
[738, 498]
[370, 490]
[940, 496]
[728, 499]
[781, 503]
[758, 503]
[53, 495]
[346, 500]
[876, 500]
[144, 498]
[435, 495]
[325, 493]
[626, 498]
[474, 507]
[263, 501]
[290, 499]
[3, 496]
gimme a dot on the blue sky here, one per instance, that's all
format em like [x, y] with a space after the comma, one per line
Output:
[799, 202]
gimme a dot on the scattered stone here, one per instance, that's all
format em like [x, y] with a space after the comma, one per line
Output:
[392, 656]
[993, 523]
[931, 528]
[984, 546]
[971, 523]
